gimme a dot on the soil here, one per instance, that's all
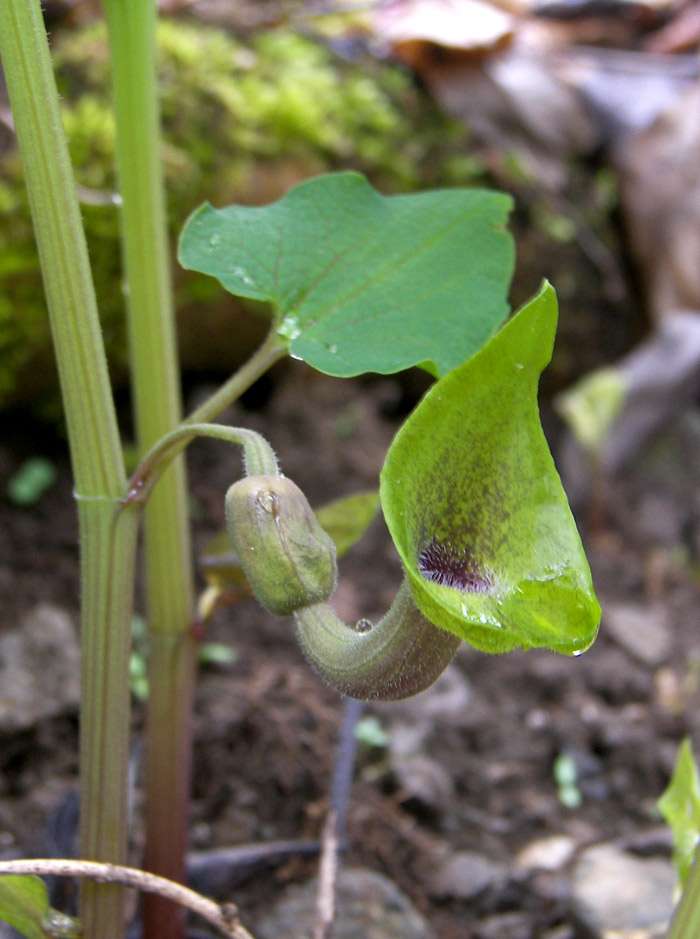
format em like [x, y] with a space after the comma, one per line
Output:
[267, 728]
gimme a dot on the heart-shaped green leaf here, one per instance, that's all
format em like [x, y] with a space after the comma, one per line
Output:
[476, 508]
[361, 282]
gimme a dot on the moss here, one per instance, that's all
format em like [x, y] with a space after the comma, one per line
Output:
[242, 121]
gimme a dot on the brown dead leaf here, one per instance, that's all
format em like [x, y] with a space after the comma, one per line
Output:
[418, 31]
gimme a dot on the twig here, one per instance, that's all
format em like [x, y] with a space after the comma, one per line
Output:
[334, 831]
[224, 917]
[327, 876]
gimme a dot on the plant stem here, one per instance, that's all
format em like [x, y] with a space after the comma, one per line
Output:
[686, 919]
[225, 917]
[92, 426]
[169, 586]
[108, 549]
[107, 542]
[259, 457]
[272, 350]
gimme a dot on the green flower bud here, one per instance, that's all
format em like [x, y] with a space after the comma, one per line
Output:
[289, 560]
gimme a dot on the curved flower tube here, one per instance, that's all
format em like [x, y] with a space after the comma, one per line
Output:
[399, 657]
[290, 563]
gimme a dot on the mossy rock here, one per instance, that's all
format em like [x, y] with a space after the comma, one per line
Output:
[242, 122]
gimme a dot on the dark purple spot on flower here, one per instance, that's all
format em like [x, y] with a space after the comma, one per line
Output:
[443, 564]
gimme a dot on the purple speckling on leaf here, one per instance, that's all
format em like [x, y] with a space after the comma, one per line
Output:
[443, 564]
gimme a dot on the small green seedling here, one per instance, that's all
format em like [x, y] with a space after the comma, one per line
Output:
[370, 732]
[28, 484]
[680, 806]
[565, 775]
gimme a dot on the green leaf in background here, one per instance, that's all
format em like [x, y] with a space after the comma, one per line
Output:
[476, 508]
[592, 406]
[216, 653]
[361, 282]
[24, 904]
[680, 806]
[346, 519]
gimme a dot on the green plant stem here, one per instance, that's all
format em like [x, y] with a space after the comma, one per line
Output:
[686, 919]
[259, 457]
[169, 585]
[107, 543]
[108, 546]
[272, 350]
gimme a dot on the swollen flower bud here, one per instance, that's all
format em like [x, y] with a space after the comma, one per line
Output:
[289, 560]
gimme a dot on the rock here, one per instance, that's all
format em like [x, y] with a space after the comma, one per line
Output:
[425, 780]
[618, 895]
[411, 724]
[506, 926]
[445, 701]
[465, 875]
[643, 631]
[367, 905]
[634, 933]
[419, 776]
[546, 854]
[560, 932]
[39, 669]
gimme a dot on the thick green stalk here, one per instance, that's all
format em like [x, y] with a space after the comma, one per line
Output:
[155, 382]
[108, 549]
[107, 543]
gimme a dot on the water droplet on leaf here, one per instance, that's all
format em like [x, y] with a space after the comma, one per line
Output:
[289, 327]
[245, 277]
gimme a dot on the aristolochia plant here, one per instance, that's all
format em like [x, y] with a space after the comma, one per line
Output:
[354, 282]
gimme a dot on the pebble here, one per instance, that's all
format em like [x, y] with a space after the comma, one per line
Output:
[465, 875]
[642, 631]
[424, 780]
[546, 854]
[445, 701]
[39, 669]
[411, 724]
[505, 926]
[620, 896]
[368, 905]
